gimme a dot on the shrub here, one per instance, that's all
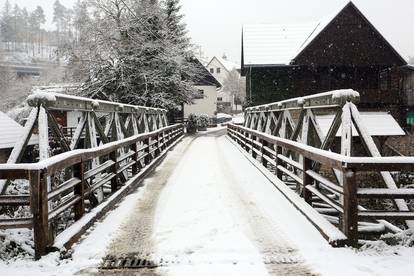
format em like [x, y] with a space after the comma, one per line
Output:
[192, 123]
[203, 122]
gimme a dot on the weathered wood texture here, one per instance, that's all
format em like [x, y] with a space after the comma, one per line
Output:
[75, 193]
[286, 138]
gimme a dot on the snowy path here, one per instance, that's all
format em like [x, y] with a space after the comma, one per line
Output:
[206, 221]
[208, 211]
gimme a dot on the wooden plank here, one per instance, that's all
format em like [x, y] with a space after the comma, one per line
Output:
[350, 216]
[79, 191]
[99, 169]
[64, 206]
[290, 161]
[380, 193]
[57, 132]
[64, 188]
[99, 183]
[125, 166]
[325, 182]
[78, 132]
[16, 223]
[14, 200]
[291, 174]
[325, 198]
[307, 180]
[99, 128]
[39, 207]
[386, 215]
[93, 143]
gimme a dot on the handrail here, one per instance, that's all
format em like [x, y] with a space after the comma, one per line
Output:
[58, 101]
[128, 162]
[327, 100]
[336, 160]
[66, 159]
[341, 197]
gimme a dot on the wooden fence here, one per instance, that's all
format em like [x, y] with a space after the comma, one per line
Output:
[62, 187]
[312, 186]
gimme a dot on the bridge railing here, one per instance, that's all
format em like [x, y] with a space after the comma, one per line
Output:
[331, 183]
[71, 194]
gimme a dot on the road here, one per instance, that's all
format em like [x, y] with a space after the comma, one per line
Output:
[207, 211]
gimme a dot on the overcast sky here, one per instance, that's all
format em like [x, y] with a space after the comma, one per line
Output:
[216, 24]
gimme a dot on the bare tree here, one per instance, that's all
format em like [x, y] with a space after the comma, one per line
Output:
[235, 85]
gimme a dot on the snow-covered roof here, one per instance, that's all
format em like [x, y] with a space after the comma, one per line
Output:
[377, 123]
[270, 44]
[229, 65]
[11, 132]
[278, 45]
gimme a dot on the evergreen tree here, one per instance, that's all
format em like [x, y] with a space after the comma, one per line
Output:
[58, 18]
[130, 54]
[6, 24]
[39, 19]
[176, 28]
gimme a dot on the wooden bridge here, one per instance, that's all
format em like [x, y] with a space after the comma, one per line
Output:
[342, 189]
[114, 147]
[121, 145]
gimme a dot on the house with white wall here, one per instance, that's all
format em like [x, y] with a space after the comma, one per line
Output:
[220, 68]
[205, 101]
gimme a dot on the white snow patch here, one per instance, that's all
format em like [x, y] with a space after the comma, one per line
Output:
[87, 254]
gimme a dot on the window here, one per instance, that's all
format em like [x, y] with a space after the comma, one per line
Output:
[218, 70]
[219, 99]
[212, 70]
[200, 94]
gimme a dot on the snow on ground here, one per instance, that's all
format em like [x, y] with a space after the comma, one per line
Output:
[218, 215]
[88, 253]
[378, 259]
[238, 119]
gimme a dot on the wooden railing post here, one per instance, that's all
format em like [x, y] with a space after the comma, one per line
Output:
[79, 208]
[350, 216]
[134, 147]
[307, 180]
[254, 154]
[169, 137]
[278, 150]
[147, 151]
[40, 211]
[114, 170]
[158, 150]
[264, 160]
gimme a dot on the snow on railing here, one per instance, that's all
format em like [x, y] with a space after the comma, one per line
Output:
[298, 165]
[76, 183]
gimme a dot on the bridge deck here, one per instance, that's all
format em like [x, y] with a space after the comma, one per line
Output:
[217, 224]
[207, 211]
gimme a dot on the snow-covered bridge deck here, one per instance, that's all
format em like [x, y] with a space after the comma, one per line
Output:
[213, 205]
[230, 221]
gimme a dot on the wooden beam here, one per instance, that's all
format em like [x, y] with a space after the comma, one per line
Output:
[373, 151]
[61, 139]
[78, 132]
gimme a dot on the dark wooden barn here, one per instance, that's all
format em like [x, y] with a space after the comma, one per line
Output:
[343, 51]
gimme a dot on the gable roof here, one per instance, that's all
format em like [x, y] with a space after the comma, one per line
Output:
[11, 132]
[279, 45]
[228, 65]
[204, 77]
